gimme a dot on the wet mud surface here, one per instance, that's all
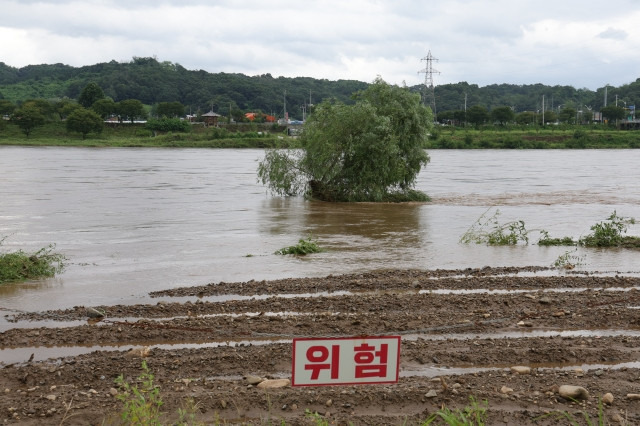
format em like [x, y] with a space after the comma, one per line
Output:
[462, 332]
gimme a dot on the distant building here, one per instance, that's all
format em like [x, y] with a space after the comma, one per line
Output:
[253, 115]
[210, 118]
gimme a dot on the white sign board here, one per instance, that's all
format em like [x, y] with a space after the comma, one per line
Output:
[345, 360]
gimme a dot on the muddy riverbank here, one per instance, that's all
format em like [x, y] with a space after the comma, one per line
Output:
[462, 332]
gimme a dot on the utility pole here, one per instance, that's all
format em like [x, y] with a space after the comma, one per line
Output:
[286, 119]
[542, 110]
[429, 91]
[605, 95]
[465, 108]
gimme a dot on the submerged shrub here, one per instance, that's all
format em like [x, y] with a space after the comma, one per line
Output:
[20, 266]
[489, 231]
[303, 247]
[546, 240]
[609, 233]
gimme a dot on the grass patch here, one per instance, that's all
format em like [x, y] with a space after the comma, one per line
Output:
[303, 248]
[141, 404]
[572, 420]
[546, 240]
[489, 231]
[526, 137]
[21, 266]
[474, 414]
[137, 135]
[608, 233]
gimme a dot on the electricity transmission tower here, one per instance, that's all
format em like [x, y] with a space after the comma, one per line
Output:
[429, 97]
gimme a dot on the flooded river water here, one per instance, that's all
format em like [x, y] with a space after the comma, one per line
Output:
[131, 221]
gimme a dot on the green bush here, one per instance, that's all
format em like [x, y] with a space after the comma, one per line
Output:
[546, 240]
[489, 231]
[303, 248]
[20, 266]
[168, 125]
[141, 404]
[609, 233]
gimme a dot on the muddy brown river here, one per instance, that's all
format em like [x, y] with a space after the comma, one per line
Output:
[175, 248]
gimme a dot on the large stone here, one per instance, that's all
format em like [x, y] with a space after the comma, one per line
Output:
[277, 383]
[142, 352]
[431, 394]
[94, 313]
[254, 380]
[607, 398]
[573, 392]
[521, 369]
[505, 390]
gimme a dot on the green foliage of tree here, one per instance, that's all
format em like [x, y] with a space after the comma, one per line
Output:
[104, 107]
[527, 117]
[131, 108]
[502, 115]
[84, 121]
[170, 109]
[567, 115]
[6, 107]
[152, 82]
[91, 93]
[46, 108]
[613, 113]
[168, 125]
[368, 151]
[477, 115]
[65, 107]
[27, 118]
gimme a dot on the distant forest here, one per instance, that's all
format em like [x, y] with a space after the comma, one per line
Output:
[151, 82]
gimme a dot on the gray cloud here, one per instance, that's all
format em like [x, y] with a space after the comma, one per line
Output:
[480, 42]
[614, 34]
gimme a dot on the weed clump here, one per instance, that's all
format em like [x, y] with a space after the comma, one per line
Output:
[474, 414]
[20, 266]
[303, 248]
[489, 231]
[546, 240]
[141, 404]
[608, 233]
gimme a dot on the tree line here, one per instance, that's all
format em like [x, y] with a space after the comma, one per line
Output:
[152, 82]
[156, 83]
[464, 102]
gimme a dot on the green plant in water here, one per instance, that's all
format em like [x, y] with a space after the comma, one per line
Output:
[609, 233]
[568, 260]
[546, 240]
[489, 231]
[474, 414]
[303, 247]
[141, 405]
[20, 266]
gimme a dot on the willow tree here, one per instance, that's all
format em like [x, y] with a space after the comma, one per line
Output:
[369, 151]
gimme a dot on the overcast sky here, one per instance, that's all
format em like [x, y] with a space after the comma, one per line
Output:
[582, 43]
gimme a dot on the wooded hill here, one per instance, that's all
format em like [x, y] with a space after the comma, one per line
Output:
[151, 82]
